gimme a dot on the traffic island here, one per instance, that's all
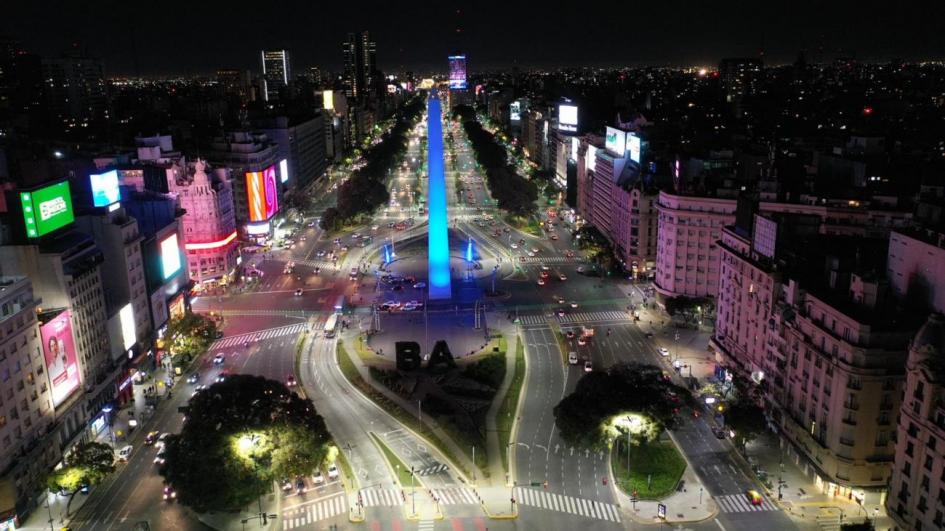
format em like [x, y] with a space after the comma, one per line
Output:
[410, 486]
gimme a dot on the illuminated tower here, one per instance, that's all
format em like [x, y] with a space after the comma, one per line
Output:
[438, 243]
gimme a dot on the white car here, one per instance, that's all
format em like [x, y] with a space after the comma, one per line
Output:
[515, 246]
[664, 351]
[124, 453]
[318, 478]
[588, 366]
[572, 358]
[420, 285]
[219, 359]
[544, 267]
[562, 277]
[332, 472]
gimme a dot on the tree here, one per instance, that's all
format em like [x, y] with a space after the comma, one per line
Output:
[189, 335]
[88, 464]
[241, 434]
[746, 419]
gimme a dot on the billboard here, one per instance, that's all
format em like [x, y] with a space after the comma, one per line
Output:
[515, 111]
[105, 189]
[328, 100]
[262, 194]
[170, 256]
[567, 117]
[126, 316]
[47, 209]
[590, 159]
[59, 353]
[284, 170]
[633, 146]
[616, 141]
[457, 72]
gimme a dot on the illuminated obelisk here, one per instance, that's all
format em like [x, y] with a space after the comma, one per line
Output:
[439, 249]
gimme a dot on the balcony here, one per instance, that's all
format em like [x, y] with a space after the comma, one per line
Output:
[849, 421]
[851, 405]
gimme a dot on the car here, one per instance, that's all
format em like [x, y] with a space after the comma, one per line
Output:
[754, 497]
[374, 227]
[124, 453]
[572, 358]
[718, 432]
[545, 268]
[580, 269]
[559, 300]
[219, 358]
[554, 236]
[355, 236]
[290, 381]
[560, 312]
[298, 292]
[664, 351]
[521, 241]
[582, 340]
[570, 334]
[168, 493]
[515, 246]
[541, 282]
[535, 250]
[221, 377]
[332, 472]
[543, 274]
[574, 304]
[318, 270]
[320, 254]
[193, 378]
[151, 438]
[420, 285]
[299, 485]
[588, 366]
[521, 258]
[160, 458]
[286, 485]
[318, 478]
[531, 254]
[562, 277]
[163, 437]
[409, 307]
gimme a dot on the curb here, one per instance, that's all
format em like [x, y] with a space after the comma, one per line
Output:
[411, 517]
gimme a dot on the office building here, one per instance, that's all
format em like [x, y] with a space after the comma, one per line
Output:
[916, 266]
[235, 83]
[301, 144]
[360, 66]
[253, 162]
[276, 73]
[74, 94]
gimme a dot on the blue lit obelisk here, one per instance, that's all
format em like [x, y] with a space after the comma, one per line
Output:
[439, 249]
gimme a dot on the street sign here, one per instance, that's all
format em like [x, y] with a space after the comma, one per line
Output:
[661, 511]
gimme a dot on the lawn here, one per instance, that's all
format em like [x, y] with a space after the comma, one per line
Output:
[506, 414]
[401, 468]
[659, 460]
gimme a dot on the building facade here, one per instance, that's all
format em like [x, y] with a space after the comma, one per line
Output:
[302, 144]
[250, 156]
[276, 73]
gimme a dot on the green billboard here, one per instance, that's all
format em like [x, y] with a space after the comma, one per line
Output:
[47, 209]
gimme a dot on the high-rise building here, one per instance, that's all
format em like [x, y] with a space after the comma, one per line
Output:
[252, 159]
[301, 147]
[75, 93]
[276, 72]
[234, 83]
[740, 77]
[360, 65]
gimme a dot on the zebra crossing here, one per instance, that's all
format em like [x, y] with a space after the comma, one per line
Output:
[321, 264]
[233, 341]
[575, 318]
[738, 503]
[532, 319]
[327, 507]
[567, 504]
[430, 470]
[381, 497]
[425, 525]
[547, 259]
[455, 496]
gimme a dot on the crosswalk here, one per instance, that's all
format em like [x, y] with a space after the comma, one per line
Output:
[547, 260]
[567, 504]
[738, 503]
[455, 496]
[321, 264]
[430, 470]
[234, 341]
[575, 318]
[425, 525]
[381, 497]
[311, 512]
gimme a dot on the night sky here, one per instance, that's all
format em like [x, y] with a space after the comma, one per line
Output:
[200, 36]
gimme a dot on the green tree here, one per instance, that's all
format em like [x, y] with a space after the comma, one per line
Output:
[210, 463]
[189, 335]
[88, 464]
[746, 419]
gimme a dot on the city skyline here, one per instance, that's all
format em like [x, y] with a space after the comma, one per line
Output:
[418, 37]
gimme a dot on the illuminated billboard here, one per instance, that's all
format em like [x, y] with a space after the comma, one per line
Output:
[567, 117]
[515, 111]
[59, 353]
[47, 209]
[284, 170]
[616, 141]
[457, 72]
[105, 189]
[328, 100]
[255, 229]
[590, 159]
[633, 147]
[170, 256]
[126, 316]
[262, 194]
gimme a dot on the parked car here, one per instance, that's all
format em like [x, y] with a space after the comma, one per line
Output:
[332, 472]
[124, 453]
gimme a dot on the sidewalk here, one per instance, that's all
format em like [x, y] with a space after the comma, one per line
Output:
[496, 472]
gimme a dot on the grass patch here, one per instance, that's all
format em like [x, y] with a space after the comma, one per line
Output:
[658, 460]
[342, 460]
[402, 471]
[506, 414]
[490, 370]
[407, 418]
[498, 341]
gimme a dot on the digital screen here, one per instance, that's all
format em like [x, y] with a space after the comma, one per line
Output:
[567, 117]
[257, 228]
[47, 209]
[633, 146]
[170, 256]
[457, 72]
[328, 100]
[105, 189]
[590, 159]
[272, 192]
[126, 316]
[59, 353]
[515, 111]
[177, 307]
[616, 141]
[574, 148]
[262, 194]
[284, 170]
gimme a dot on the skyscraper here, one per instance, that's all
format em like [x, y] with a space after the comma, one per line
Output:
[276, 72]
[360, 65]
[75, 92]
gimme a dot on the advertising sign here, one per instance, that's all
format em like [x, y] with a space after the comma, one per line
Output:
[272, 191]
[177, 306]
[262, 194]
[105, 189]
[256, 229]
[661, 510]
[126, 317]
[515, 111]
[633, 146]
[170, 256]
[59, 353]
[457, 72]
[590, 161]
[328, 100]
[616, 141]
[567, 118]
[47, 209]
[284, 170]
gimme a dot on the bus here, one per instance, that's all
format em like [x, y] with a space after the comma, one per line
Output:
[330, 325]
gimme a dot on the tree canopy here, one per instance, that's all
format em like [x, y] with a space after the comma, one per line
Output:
[189, 335]
[88, 464]
[622, 388]
[240, 435]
